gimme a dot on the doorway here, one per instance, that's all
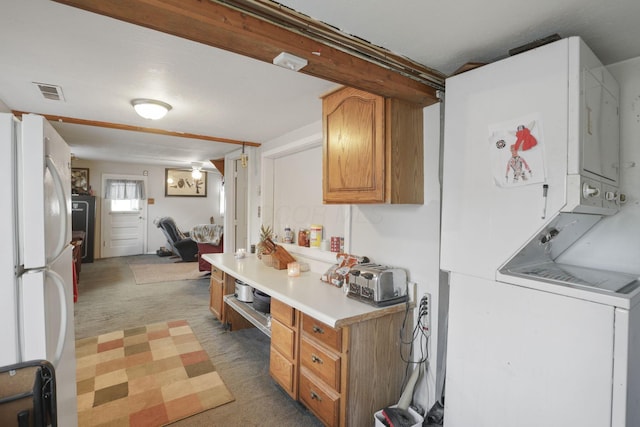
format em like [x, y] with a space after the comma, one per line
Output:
[124, 220]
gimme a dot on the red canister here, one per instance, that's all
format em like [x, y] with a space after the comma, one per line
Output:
[337, 244]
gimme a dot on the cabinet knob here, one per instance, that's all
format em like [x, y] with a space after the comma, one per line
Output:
[316, 359]
[589, 191]
[318, 330]
[611, 196]
[315, 396]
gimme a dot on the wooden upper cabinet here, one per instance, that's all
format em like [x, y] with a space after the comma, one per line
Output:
[372, 150]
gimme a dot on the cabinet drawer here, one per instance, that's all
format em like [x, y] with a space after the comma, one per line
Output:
[323, 402]
[217, 273]
[282, 371]
[283, 312]
[323, 333]
[324, 364]
[283, 339]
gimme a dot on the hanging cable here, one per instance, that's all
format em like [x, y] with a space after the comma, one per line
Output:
[419, 334]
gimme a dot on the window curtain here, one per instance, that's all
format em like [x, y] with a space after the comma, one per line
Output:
[124, 189]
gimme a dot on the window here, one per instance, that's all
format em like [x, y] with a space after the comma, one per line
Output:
[124, 189]
[125, 205]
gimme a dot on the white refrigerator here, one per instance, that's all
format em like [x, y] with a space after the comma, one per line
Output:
[36, 293]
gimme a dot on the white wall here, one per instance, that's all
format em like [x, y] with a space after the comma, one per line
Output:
[408, 236]
[186, 211]
[298, 202]
[405, 236]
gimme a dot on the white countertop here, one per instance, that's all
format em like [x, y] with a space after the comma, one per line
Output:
[306, 293]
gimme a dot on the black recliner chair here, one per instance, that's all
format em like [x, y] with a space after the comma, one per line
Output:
[179, 242]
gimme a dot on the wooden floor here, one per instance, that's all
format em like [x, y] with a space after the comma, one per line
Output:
[110, 300]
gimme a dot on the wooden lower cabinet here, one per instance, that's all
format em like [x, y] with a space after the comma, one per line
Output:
[283, 371]
[222, 284]
[216, 292]
[323, 363]
[323, 401]
[343, 375]
[283, 362]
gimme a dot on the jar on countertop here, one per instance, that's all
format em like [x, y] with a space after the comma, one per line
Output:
[303, 237]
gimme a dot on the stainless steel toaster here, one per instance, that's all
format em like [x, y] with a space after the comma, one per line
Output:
[377, 284]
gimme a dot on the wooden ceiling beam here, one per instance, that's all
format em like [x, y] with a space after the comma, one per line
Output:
[218, 164]
[224, 27]
[156, 131]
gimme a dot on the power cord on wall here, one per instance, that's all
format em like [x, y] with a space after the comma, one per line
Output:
[420, 334]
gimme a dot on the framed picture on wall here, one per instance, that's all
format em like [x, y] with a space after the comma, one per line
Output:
[179, 182]
[79, 181]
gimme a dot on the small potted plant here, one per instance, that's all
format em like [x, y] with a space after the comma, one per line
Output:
[265, 233]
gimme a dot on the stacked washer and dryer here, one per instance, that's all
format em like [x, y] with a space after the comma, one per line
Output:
[531, 159]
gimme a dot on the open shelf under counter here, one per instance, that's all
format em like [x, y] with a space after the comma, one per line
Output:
[259, 319]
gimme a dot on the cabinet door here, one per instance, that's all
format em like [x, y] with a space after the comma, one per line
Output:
[283, 365]
[322, 401]
[322, 333]
[216, 294]
[354, 147]
[283, 339]
[282, 370]
[323, 363]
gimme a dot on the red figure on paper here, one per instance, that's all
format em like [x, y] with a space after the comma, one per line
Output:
[525, 140]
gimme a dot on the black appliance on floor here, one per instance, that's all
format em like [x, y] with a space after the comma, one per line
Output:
[83, 218]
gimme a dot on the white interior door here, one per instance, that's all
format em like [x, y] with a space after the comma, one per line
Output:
[124, 225]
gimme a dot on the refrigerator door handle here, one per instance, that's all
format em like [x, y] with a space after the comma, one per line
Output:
[60, 192]
[62, 333]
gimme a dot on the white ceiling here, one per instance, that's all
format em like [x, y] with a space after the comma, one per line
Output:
[101, 64]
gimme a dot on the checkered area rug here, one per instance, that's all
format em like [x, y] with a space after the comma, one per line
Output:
[146, 376]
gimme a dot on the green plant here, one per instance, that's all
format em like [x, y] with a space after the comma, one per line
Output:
[265, 233]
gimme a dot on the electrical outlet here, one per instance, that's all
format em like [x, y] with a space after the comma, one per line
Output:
[425, 314]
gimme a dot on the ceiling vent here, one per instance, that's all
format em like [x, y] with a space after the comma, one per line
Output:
[51, 92]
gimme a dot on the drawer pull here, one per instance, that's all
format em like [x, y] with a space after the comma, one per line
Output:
[317, 330]
[316, 359]
[315, 396]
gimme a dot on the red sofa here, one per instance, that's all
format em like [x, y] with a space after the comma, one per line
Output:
[208, 248]
[209, 238]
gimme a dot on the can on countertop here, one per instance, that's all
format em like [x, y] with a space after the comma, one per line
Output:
[315, 235]
[337, 244]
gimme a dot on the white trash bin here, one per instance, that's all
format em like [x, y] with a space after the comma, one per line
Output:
[379, 418]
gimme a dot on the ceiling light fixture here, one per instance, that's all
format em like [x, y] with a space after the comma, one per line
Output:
[150, 108]
[196, 174]
[292, 62]
[196, 171]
